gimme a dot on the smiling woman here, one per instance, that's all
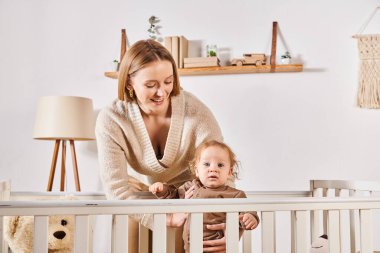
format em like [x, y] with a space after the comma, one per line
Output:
[151, 131]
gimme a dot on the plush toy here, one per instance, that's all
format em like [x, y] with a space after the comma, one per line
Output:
[320, 245]
[19, 233]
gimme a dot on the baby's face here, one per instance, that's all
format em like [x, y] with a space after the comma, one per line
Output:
[213, 167]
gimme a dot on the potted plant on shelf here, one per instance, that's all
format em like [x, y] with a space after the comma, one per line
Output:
[286, 57]
[115, 65]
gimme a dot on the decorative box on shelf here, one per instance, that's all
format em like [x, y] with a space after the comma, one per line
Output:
[199, 62]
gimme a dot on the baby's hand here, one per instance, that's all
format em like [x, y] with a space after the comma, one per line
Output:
[248, 221]
[190, 192]
[156, 187]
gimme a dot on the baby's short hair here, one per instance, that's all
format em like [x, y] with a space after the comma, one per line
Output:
[213, 143]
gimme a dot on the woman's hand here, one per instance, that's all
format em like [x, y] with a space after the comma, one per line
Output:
[175, 219]
[217, 245]
[248, 221]
[156, 187]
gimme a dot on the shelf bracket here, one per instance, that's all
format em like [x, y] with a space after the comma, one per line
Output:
[274, 46]
[123, 48]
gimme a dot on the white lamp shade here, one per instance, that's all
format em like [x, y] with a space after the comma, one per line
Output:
[64, 117]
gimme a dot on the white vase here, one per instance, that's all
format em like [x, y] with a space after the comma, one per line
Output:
[285, 60]
[115, 66]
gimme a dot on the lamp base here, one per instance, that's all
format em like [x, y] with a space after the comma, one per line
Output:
[63, 165]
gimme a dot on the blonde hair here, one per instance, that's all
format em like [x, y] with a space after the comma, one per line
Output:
[213, 143]
[141, 54]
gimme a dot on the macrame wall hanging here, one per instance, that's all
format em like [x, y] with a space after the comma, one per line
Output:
[369, 75]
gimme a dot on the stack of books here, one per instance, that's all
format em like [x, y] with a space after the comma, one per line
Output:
[178, 46]
[198, 62]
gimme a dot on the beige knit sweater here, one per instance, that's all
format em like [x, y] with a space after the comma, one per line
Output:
[126, 156]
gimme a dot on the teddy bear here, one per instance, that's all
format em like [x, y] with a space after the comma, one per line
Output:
[320, 245]
[19, 233]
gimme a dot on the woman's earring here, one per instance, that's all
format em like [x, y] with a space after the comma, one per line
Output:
[131, 92]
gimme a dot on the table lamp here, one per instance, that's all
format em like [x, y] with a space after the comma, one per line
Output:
[64, 118]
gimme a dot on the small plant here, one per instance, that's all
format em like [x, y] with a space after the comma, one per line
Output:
[211, 50]
[212, 53]
[286, 58]
[153, 29]
[286, 55]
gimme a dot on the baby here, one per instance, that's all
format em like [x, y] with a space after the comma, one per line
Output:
[213, 164]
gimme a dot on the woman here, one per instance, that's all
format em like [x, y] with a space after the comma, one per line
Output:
[150, 132]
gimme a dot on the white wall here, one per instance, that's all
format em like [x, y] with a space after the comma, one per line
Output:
[285, 128]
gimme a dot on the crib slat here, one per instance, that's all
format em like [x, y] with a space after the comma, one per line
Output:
[302, 243]
[354, 226]
[333, 231]
[3, 243]
[159, 233]
[268, 230]
[40, 239]
[293, 231]
[232, 232]
[247, 241]
[196, 232]
[81, 241]
[90, 233]
[366, 232]
[316, 217]
[119, 234]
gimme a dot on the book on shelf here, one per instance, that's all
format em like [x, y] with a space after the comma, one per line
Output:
[168, 43]
[202, 60]
[183, 50]
[178, 46]
[175, 49]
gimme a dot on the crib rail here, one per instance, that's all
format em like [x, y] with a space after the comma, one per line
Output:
[300, 206]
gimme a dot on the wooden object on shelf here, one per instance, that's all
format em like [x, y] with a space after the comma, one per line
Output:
[195, 62]
[123, 48]
[274, 46]
[250, 59]
[222, 70]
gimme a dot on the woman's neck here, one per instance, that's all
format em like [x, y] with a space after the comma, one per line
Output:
[148, 114]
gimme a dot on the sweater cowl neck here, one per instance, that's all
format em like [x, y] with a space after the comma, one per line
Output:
[177, 104]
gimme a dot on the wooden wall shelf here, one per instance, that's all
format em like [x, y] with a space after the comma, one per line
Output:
[240, 69]
[230, 70]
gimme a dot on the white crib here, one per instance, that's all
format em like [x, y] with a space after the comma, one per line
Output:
[298, 204]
